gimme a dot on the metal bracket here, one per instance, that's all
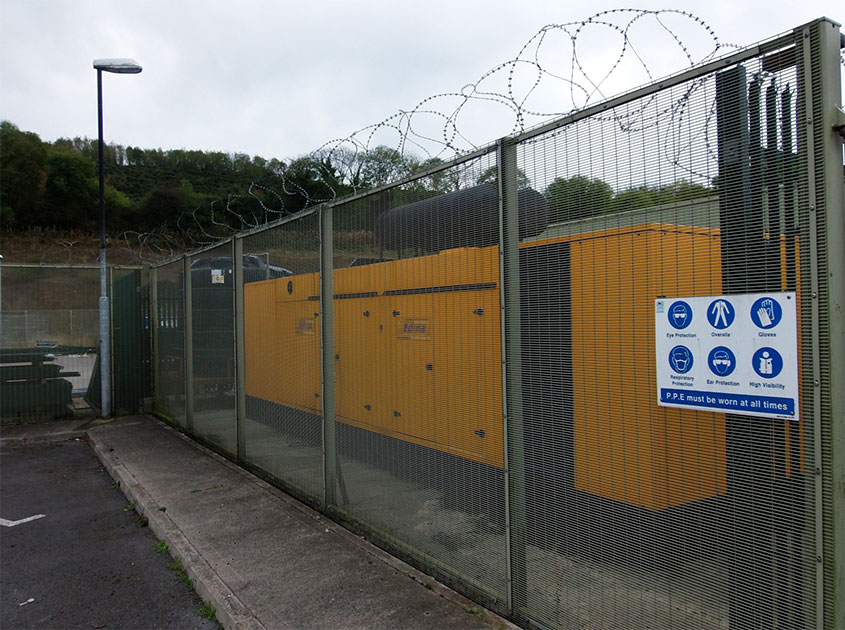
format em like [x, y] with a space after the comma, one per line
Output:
[839, 121]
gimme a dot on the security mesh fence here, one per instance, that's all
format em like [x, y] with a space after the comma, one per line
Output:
[551, 371]
[283, 424]
[641, 514]
[131, 334]
[418, 369]
[169, 354]
[212, 332]
[48, 340]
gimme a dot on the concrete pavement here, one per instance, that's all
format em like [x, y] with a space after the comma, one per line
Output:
[261, 558]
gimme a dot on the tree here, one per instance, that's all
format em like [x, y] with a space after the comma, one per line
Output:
[70, 193]
[23, 163]
[652, 196]
[491, 176]
[577, 197]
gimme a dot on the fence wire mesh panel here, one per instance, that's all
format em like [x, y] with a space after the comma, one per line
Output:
[170, 351]
[130, 306]
[213, 347]
[283, 426]
[48, 340]
[418, 371]
[642, 515]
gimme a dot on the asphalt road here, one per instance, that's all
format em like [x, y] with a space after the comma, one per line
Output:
[88, 562]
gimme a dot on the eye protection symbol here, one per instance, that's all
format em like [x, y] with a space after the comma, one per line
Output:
[680, 315]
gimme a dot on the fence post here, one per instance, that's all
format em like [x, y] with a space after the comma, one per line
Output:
[515, 531]
[112, 385]
[155, 321]
[189, 343]
[327, 358]
[240, 357]
[826, 195]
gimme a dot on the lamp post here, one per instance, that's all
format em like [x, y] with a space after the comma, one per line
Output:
[118, 66]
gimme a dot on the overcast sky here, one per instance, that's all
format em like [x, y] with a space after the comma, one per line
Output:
[279, 78]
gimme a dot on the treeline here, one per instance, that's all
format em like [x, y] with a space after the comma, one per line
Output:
[55, 185]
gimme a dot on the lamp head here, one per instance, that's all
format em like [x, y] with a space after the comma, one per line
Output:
[118, 66]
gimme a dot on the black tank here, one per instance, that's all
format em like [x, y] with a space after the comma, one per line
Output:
[464, 218]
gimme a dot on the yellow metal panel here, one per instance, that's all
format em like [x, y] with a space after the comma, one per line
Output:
[467, 367]
[299, 376]
[298, 288]
[260, 342]
[454, 267]
[377, 277]
[626, 447]
[408, 394]
[359, 368]
[422, 366]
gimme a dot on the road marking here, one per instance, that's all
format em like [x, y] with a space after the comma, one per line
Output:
[6, 523]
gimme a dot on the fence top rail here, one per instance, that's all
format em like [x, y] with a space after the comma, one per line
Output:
[67, 266]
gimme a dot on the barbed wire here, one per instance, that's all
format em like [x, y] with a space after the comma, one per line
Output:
[560, 70]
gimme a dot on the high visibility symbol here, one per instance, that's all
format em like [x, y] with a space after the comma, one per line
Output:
[720, 314]
[767, 362]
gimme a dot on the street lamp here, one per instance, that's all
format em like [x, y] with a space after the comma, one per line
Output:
[118, 66]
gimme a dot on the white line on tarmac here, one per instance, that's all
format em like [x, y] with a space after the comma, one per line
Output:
[6, 523]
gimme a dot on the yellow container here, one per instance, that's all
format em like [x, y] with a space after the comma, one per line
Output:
[418, 357]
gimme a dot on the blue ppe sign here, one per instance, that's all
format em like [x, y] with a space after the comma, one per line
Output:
[728, 353]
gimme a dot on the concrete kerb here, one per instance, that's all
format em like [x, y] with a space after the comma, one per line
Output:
[230, 611]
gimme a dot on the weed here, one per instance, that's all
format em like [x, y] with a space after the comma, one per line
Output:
[162, 547]
[128, 507]
[474, 611]
[116, 485]
[195, 490]
[180, 573]
[162, 509]
[206, 611]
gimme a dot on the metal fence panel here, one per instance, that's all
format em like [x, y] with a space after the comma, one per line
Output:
[283, 425]
[213, 347]
[641, 514]
[131, 347]
[170, 351]
[48, 336]
[418, 373]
